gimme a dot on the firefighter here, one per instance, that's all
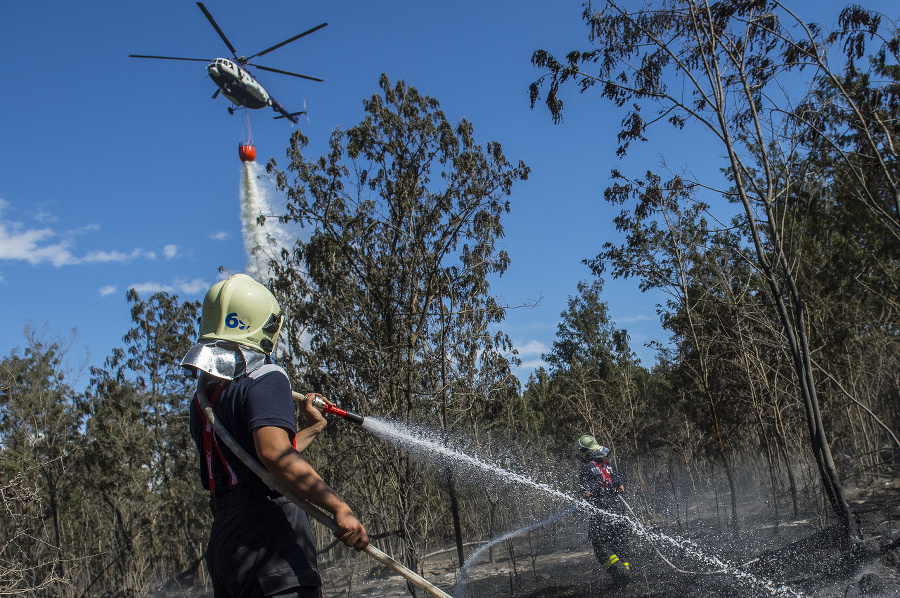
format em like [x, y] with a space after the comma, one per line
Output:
[599, 483]
[261, 543]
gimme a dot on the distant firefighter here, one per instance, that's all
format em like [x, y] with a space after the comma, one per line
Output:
[599, 483]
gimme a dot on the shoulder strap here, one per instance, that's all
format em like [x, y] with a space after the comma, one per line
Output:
[210, 443]
[268, 369]
[606, 482]
[607, 477]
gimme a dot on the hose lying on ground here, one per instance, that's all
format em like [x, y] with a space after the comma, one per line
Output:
[665, 560]
[311, 509]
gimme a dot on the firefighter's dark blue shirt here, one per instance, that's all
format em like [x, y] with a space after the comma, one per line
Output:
[259, 539]
[260, 399]
[591, 479]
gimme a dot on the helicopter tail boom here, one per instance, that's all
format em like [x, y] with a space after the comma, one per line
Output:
[291, 116]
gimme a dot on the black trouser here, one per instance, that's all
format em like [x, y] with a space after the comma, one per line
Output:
[302, 592]
[610, 538]
[259, 546]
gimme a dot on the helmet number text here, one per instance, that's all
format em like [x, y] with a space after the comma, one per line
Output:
[232, 321]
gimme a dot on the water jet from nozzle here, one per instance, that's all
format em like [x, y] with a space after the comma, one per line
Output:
[324, 407]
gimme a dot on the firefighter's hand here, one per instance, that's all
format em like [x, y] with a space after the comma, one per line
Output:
[350, 531]
[587, 494]
[314, 417]
[620, 490]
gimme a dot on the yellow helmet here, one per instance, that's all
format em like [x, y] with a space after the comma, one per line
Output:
[241, 310]
[585, 446]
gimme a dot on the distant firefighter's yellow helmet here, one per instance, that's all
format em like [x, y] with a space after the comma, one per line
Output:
[585, 446]
[242, 311]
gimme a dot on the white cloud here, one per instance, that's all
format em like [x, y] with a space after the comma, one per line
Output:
[107, 290]
[633, 319]
[148, 288]
[195, 286]
[170, 251]
[533, 364]
[57, 254]
[532, 347]
[39, 245]
[530, 352]
[45, 217]
[19, 243]
[100, 257]
[88, 228]
[219, 236]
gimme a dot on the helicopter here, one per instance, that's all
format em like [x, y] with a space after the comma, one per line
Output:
[234, 80]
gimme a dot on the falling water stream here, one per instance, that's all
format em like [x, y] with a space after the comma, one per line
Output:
[263, 237]
[421, 441]
[459, 588]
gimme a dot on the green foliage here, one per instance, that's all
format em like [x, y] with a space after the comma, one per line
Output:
[404, 214]
[391, 314]
[390, 295]
[743, 71]
[138, 466]
[40, 435]
[140, 463]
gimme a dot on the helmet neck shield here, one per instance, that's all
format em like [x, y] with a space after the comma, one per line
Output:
[600, 454]
[223, 359]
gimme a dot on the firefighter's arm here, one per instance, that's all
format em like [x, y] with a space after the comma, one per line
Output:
[287, 465]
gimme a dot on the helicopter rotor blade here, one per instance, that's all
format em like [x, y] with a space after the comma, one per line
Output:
[287, 41]
[267, 68]
[170, 58]
[216, 27]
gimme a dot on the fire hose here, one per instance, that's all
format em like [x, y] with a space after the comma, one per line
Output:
[667, 561]
[327, 407]
[313, 511]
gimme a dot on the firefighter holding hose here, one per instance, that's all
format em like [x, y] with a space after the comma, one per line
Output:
[261, 543]
[600, 483]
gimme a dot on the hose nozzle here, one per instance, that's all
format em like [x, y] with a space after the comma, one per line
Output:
[324, 407]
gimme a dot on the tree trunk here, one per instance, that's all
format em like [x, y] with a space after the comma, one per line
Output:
[454, 510]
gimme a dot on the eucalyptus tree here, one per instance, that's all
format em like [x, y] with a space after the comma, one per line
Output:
[588, 364]
[733, 69]
[853, 124]
[140, 465]
[853, 317]
[667, 240]
[40, 435]
[391, 292]
[851, 117]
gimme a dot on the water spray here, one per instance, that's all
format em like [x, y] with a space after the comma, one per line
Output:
[667, 561]
[463, 575]
[264, 236]
[418, 439]
[398, 435]
[313, 511]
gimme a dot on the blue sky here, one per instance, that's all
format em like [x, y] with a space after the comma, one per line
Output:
[121, 172]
